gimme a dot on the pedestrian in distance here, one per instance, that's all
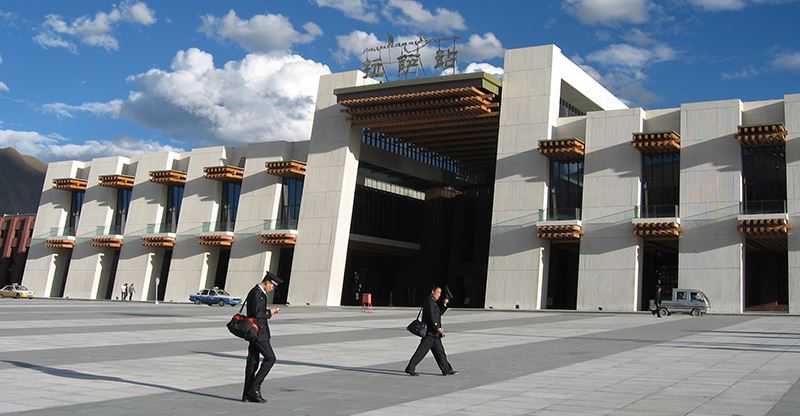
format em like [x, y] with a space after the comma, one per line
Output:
[432, 311]
[657, 302]
[124, 290]
[131, 291]
[258, 309]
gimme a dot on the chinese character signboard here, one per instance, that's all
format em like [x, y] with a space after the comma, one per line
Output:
[405, 59]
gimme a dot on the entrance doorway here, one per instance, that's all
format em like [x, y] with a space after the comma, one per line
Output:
[562, 278]
[163, 275]
[659, 267]
[222, 268]
[284, 272]
[766, 275]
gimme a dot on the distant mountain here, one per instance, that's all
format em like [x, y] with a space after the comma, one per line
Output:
[21, 180]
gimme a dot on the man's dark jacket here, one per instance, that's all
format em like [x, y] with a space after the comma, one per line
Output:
[432, 312]
[257, 308]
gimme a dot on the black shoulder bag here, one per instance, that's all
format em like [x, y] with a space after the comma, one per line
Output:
[417, 327]
[242, 326]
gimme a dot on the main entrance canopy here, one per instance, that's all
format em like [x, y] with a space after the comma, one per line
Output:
[456, 115]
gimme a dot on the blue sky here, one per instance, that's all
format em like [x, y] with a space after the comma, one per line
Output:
[94, 78]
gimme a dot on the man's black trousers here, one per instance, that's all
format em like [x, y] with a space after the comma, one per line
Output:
[430, 343]
[253, 378]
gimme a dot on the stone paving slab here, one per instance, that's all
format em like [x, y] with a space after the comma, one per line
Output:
[338, 361]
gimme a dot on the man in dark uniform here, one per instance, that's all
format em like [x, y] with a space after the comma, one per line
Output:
[432, 311]
[257, 308]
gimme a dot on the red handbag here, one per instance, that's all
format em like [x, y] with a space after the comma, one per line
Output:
[242, 326]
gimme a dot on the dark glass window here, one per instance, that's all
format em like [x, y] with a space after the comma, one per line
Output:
[565, 109]
[75, 206]
[386, 215]
[174, 200]
[566, 190]
[660, 184]
[230, 205]
[121, 212]
[291, 195]
[764, 179]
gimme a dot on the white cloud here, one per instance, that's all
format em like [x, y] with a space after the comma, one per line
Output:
[260, 98]
[624, 55]
[744, 73]
[625, 82]
[609, 12]
[111, 108]
[412, 14]
[262, 33]
[4, 87]
[788, 61]
[55, 32]
[732, 5]
[53, 147]
[638, 37]
[481, 48]
[484, 67]
[355, 9]
[353, 45]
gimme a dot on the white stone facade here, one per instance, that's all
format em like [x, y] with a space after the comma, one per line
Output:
[711, 253]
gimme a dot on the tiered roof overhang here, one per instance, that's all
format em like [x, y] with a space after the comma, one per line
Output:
[561, 232]
[662, 142]
[70, 184]
[562, 149]
[117, 181]
[762, 135]
[111, 241]
[158, 240]
[456, 116]
[168, 177]
[290, 168]
[224, 173]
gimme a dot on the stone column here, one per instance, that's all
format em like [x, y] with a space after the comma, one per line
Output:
[326, 211]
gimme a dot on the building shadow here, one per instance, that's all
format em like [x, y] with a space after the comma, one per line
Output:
[77, 375]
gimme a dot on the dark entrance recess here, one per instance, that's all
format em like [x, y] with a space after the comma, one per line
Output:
[163, 274]
[222, 267]
[766, 275]
[60, 275]
[109, 284]
[403, 246]
[562, 280]
[659, 267]
[285, 273]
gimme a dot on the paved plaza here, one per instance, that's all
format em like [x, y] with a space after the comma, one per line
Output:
[113, 358]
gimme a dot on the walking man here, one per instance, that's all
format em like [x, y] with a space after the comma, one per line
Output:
[257, 308]
[432, 311]
[124, 289]
[657, 302]
[131, 291]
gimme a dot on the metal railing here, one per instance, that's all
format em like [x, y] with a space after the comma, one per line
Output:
[762, 207]
[218, 226]
[61, 232]
[109, 230]
[161, 228]
[281, 224]
[656, 211]
[560, 214]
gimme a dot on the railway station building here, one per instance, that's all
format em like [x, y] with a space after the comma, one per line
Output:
[540, 190]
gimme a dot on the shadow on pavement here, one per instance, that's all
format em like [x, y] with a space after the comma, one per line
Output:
[58, 372]
[384, 371]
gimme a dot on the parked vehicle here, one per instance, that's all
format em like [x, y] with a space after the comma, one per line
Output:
[691, 301]
[16, 291]
[214, 297]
